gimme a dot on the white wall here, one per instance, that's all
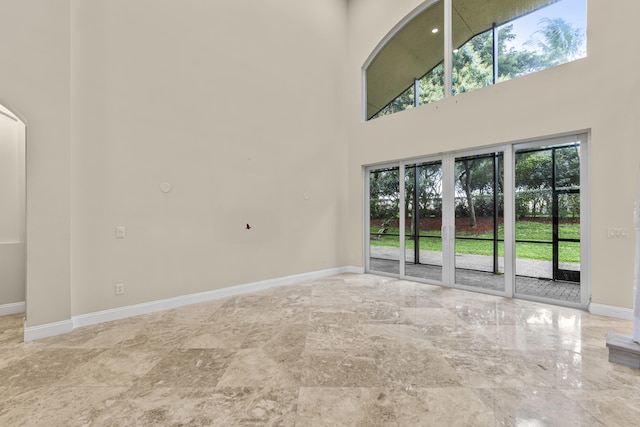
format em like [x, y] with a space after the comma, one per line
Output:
[12, 220]
[34, 84]
[236, 104]
[245, 107]
[12, 273]
[599, 93]
[10, 170]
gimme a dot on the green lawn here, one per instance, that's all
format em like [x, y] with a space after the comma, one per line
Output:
[525, 230]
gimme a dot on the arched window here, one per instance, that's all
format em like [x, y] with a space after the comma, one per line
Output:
[486, 42]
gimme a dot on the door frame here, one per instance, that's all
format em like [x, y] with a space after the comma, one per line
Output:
[509, 267]
[367, 214]
[403, 164]
[585, 218]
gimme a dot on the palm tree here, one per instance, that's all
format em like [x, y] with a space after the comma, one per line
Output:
[558, 40]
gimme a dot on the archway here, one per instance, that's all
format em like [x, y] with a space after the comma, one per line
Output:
[13, 213]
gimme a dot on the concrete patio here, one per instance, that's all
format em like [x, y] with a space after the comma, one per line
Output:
[533, 277]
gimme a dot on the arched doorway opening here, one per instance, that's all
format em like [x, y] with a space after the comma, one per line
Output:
[12, 213]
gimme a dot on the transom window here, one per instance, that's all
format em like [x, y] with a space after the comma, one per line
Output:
[487, 42]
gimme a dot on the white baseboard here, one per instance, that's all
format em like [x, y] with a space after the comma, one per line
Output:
[47, 330]
[611, 311]
[88, 319]
[13, 308]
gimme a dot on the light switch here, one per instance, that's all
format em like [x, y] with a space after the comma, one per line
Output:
[618, 233]
[121, 232]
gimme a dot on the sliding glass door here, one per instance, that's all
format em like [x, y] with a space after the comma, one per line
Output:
[441, 223]
[384, 213]
[505, 220]
[479, 221]
[548, 220]
[423, 220]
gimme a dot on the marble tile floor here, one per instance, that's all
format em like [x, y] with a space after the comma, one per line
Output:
[348, 350]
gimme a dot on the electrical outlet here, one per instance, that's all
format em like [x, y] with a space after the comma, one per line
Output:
[119, 289]
[121, 232]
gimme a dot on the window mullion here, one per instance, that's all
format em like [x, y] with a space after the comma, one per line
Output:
[448, 48]
[495, 52]
[402, 219]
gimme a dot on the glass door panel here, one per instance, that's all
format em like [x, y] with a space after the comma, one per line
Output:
[423, 221]
[567, 212]
[539, 267]
[568, 240]
[547, 199]
[479, 221]
[569, 256]
[534, 225]
[384, 235]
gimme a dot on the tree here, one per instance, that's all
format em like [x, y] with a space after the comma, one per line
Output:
[428, 177]
[402, 102]
[432, 85]
[557, 40]
[511, 61]
[470, 71]
[384, 193]
[534, 179]
[465, 179]
[533, 182]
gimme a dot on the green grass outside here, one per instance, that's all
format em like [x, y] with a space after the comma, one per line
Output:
[525, 230]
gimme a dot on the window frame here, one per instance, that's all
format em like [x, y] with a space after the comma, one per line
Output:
[448, 53]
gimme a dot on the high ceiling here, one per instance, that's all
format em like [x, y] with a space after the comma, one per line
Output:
[415, 49]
